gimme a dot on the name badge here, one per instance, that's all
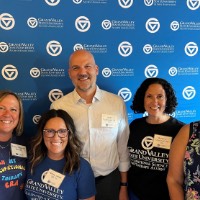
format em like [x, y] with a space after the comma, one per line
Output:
[53, 178]
[109, 121]
[18, 150]
[162, 141]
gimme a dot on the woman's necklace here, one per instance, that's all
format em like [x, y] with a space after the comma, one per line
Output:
[5, 153]
[8, 143]
[3, 147]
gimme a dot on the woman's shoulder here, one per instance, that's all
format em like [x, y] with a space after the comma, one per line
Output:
[176, 121]
[138, 121]
[85, 165]
[84, 162]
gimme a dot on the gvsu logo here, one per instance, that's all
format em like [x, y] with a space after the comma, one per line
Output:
[125, 49]
[125, 3]
[52, 2]
[7, 21]
[32, 22]
[3, 47]
[174, 26]
[148, 2]
[193, 4]
[55, 94]
[9, 72]
[125, 93]
[152, 25]
[147, 49]
[36, 119]
[151, 71]
[77, 1]
[106, 24]
[189, 92]
[173, 71]
[106, 72]
[82, 24]
[78, 47]
[191, 49]
[54, 48]
[35, 72]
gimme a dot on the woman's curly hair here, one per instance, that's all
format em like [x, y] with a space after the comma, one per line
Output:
[138, 99]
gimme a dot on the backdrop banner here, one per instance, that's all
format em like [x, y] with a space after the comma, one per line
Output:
[131, 40]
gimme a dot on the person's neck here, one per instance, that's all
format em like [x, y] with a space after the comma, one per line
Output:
[4, 137]
[157, 119]
[87, 95]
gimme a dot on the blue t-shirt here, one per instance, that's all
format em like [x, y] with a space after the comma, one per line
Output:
[78, 185]
[12, 171]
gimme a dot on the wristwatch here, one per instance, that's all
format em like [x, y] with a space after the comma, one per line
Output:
[123, 184]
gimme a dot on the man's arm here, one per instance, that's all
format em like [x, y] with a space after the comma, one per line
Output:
[123, 192]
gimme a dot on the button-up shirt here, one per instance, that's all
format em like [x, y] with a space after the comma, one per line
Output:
[102, 127]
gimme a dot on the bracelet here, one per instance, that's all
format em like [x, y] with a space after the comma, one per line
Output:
[123, 184]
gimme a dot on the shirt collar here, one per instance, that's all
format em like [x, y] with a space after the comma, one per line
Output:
[97, 96]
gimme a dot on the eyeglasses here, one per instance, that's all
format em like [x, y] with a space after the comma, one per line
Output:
[62, 133]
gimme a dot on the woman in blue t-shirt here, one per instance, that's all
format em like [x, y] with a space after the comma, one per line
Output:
[56, 170]
[12, 147]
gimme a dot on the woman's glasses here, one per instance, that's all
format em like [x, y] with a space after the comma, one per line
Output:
[62, 133]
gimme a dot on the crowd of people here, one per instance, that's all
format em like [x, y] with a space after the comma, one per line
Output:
[84, 147]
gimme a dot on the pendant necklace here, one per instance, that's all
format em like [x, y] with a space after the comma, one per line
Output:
[4, 153]
[3, 147]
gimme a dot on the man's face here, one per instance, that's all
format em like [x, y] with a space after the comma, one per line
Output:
[83, 71]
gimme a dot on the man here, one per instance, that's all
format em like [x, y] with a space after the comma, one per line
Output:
[101, 122]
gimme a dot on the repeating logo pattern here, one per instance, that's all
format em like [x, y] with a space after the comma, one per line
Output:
[130, 40]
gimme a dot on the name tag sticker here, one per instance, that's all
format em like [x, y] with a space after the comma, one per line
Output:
[53, 178]
[162, 141]
[18, 150]
[109, 121]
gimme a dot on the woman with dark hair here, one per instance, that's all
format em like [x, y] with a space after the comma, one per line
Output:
[12, 147]
[150, 139]
[56, 170]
